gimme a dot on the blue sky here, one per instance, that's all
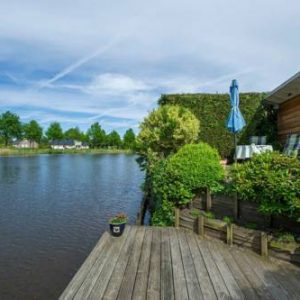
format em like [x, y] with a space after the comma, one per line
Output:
[78, 62]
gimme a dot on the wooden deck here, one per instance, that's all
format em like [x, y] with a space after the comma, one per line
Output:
[169, 263]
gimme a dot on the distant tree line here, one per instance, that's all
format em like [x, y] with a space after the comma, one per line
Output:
[11, 128]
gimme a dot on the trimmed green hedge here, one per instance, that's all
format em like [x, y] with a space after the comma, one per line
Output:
[213, 109]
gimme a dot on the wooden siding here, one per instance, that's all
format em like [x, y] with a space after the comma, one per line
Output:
[289, 118]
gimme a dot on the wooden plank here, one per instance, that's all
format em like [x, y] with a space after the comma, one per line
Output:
[239, 276]
[200, 226]
[97, 280]
[193, 285]
[116, 279]
[290, 120]
[81, 274]
[92, 276]
[292, 290]
[291, 103]
[177, 217]
[286, 270]
[166, 283]
[216, 278]
[215, 224]
[229, 234]
[294, 129]
[127, 285]
[228, 277]
[168, 263]
[153, 290]
[250, 274]
[266, 277]
[201, 271]
[180, 286]
[141, 282]
[208, 200]
[264, 244]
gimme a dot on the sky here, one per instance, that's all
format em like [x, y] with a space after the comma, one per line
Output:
[80, 62]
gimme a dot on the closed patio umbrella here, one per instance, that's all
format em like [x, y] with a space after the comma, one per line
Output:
[235, 122]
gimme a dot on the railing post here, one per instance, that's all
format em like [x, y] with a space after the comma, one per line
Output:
[208, 199]
[264, 244]
[200, 225]
[177, 216]
[229, 234]
[138, 219]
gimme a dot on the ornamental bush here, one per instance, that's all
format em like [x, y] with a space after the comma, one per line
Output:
[272, 180]
[176, 179]
[166, 129]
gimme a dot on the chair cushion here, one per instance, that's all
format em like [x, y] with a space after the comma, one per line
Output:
[292, 145]
[258, 140]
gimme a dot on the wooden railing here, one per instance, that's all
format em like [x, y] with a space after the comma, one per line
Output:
[232, 234]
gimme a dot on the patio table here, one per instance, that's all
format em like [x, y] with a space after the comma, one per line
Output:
[247, 151]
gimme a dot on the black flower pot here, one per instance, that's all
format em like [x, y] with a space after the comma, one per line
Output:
[117, 229]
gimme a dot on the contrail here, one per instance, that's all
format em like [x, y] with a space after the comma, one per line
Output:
[79, 63]
[226, 77]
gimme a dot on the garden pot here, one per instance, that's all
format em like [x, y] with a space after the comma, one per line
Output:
[117, 229]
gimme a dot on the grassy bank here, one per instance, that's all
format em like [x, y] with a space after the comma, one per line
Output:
[27, 152]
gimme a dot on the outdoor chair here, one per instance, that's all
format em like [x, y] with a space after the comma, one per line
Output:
[292, 145]
[258, 140]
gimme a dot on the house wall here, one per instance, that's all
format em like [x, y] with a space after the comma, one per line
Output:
[57, 147]
[25, 144]
[289, 118]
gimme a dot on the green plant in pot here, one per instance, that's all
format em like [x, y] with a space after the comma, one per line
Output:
[117, 224]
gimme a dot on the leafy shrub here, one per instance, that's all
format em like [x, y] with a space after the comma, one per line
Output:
[285, 237]
[251, 226]
[209, 215]
[166, 129]
[228, 220]
[195, 212]
[176, 179]
[212, 111]
[272, 180]
[164, 214]
[193, 167]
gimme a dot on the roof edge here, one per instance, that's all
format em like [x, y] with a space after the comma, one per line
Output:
[281, 86]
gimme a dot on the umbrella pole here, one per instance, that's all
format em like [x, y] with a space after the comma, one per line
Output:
[235, 145]
[235, 203]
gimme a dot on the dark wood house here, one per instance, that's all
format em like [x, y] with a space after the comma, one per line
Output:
[286, 98]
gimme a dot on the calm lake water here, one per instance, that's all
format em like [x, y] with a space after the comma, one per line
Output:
[54, 208]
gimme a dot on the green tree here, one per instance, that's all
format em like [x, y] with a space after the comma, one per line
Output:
[96, 135]
[166, 129]
[129, 139]
[114, 139]
[54, 132]
[74, 134]
[10, 127]
[33, 131]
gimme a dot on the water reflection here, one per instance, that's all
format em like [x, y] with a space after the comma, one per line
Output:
[53, 210]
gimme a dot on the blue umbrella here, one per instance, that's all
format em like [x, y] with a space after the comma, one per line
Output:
[235, 122]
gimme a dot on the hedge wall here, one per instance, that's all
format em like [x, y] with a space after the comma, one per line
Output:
[213, 109]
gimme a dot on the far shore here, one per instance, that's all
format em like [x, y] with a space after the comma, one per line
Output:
[29, 152]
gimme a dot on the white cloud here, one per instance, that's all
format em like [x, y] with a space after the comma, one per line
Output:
[115, 84]
[114, 58]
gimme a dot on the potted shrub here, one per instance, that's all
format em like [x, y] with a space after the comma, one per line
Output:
[117, 224]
